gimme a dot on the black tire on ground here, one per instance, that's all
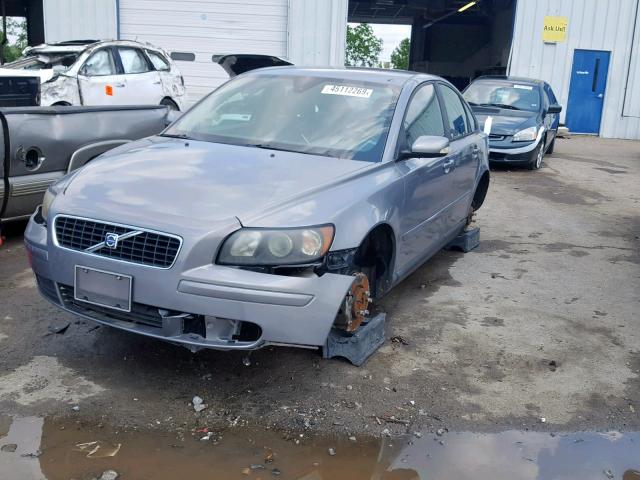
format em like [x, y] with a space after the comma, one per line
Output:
[167, 102]
[551, 145]
[538, 158]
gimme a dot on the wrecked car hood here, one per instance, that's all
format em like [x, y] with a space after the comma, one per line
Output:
[44, 75]
[191, 182]
[505, 122]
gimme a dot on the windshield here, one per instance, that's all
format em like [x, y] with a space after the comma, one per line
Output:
[503, 94]
[315, 115]
[56, 61]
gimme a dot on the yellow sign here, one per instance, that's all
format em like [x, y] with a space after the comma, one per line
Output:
[555, 29]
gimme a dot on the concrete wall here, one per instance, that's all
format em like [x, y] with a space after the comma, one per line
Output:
[593, 25]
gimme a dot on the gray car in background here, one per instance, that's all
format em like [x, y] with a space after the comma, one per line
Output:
[272, 211]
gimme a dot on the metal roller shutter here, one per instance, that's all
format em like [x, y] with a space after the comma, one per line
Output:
[204, 28]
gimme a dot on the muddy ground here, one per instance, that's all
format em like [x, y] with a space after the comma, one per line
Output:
[540, 322]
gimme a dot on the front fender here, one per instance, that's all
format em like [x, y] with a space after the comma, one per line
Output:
[355, 206]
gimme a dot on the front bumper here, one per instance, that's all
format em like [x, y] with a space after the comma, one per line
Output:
[199, 305]
[504, 150]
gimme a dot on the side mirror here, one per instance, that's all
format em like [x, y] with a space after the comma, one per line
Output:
[428, 146]
[555, 108]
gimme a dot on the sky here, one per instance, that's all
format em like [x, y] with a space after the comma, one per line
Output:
[392, 35]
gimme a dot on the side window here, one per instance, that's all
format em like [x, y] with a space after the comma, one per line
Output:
[100, 63]
[159, 62]
[473, 123]
[552, 97]
[458, 121]
[424, 116]
[133, 60]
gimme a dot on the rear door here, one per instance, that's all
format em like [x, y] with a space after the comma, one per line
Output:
[143, 85]
[98, 79]
[464, 153]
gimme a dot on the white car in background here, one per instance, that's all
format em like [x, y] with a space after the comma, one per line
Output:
[88, 72]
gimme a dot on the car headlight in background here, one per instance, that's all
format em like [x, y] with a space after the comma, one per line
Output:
[49, 196]
[526, 135]
[52, 192]
[264, 247]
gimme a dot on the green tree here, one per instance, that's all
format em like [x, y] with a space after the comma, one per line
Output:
[363, 47]
[400, 56]
[16, 39]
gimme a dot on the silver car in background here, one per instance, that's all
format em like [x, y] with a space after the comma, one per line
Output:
[272, 211]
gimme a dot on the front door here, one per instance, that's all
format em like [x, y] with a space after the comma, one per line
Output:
[586, 93]
[98, 79]
[423, 220]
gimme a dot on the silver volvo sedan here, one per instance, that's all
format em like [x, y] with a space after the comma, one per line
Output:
[274, 210]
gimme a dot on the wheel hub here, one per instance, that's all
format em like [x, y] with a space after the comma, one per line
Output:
[356, 304]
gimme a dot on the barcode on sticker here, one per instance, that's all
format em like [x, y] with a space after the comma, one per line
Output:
[347, 91]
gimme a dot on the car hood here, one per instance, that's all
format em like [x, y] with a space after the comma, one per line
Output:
[506, 122]
[160, 181]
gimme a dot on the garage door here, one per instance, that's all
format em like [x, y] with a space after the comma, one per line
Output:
[204, 28]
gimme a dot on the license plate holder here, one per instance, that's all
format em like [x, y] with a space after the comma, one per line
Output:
[104, 289]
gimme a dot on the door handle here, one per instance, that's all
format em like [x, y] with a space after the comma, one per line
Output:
[157, 82]
[119, 84]
[599, 95]
[447, 165]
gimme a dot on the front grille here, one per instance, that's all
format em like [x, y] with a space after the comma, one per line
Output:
[140, 313]
[142, 247]
[47, 289]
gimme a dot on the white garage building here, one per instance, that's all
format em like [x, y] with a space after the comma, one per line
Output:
[308, 32]
[587, 50]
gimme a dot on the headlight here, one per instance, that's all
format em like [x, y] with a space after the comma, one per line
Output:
[526, 135]
[53, 191]
[46, 203]
[256, 246]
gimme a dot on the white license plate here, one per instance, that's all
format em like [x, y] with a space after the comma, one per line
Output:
[105, 289]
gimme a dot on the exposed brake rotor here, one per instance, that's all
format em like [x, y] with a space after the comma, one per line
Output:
[356, 304]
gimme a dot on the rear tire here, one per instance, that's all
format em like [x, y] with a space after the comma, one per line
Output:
[536, 161]
[167, 102]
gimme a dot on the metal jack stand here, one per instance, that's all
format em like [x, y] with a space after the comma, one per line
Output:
[358, 346]
[466, 241]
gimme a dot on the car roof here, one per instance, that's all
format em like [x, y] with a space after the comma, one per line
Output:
[373, 75]
[509, 78]
[79, 46]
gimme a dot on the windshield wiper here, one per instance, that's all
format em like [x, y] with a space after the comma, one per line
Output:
[183, 136]
[266, 146]
[500, 105]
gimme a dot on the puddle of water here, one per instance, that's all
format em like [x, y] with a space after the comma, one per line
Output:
[70, 450]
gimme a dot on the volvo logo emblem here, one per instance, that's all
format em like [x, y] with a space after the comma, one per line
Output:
[111, 240]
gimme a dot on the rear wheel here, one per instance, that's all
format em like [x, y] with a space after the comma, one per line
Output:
[167, 102]
[536, 162]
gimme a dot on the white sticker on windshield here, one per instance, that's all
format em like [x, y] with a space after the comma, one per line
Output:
[523, 87]
[347, 91]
